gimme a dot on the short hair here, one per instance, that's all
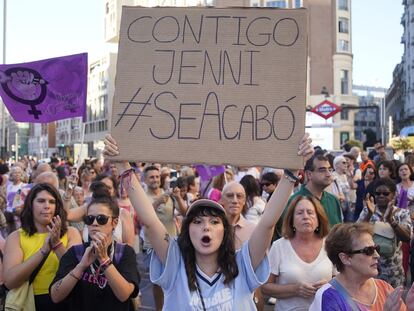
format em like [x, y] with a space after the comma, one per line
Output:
[385, 182]
[349, 156]
[271, 177]
[26, 216]
[150, 168]
[398, 178]
[310, 164]
[337, 160]
[340, 238]
[49, 176]
[4, 168]
[287, 227]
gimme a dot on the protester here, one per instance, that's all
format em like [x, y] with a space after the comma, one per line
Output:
[255, 206]
[298, 261]
[364, 186]
[351, 249]
[392, 225]
[205, 248]
[269, 183]
[386, 169]
[99, 274]
[44, 234]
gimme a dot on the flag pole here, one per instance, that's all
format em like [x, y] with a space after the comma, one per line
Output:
[78, 164]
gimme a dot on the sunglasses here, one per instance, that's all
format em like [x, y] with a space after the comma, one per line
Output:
[100, 219]
[384, 193]
[369, 250]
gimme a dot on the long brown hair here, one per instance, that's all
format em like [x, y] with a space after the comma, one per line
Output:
[226, 259]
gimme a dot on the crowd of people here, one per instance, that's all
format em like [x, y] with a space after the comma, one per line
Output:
[336, 235]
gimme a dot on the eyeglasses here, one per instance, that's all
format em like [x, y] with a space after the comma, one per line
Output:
[369, 250]
[384, 193]
[267, 184]
[100, 219]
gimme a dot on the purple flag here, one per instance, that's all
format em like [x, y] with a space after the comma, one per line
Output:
[206, 173]
[46, 90]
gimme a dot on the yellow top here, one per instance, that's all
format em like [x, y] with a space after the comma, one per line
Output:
[31, 245]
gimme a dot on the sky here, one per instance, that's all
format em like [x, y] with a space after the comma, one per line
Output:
[38, 29]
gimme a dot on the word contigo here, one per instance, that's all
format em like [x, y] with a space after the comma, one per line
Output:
[214, 29]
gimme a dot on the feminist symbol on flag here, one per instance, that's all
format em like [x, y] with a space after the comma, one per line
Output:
[25, 86]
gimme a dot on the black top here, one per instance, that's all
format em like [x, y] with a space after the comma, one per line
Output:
[90, 294]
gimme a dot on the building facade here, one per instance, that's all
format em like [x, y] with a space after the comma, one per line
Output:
[400, 96]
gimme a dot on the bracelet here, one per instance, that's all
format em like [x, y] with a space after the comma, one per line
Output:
[74, 276]
[126, 175]
[290, 176]
[105, 265]
[54, 247]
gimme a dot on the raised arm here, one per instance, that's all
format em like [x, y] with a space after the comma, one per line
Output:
[262, 234]
[155, 230]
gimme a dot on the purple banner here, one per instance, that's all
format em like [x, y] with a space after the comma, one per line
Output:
[206, 172]
[46, 90]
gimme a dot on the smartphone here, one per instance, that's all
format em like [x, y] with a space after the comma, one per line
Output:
[173, 184]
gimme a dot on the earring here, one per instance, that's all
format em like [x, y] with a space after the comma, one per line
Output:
[294, 229]
[317, 230]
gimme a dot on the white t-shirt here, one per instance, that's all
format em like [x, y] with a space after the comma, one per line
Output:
[290, 268]
[217, 296]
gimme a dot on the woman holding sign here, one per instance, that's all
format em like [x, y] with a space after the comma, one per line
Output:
[210, 273]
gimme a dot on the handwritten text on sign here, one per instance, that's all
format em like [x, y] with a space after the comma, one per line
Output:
[211, 85]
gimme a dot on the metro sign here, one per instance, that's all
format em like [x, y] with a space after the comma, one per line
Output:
[326, 109]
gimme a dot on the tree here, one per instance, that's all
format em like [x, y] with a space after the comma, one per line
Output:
[401, 144]
[354, 143]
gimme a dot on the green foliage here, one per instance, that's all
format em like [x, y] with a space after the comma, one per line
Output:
[355, 143]
[401, 143]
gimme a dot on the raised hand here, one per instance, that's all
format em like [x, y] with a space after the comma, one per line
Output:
[306, 148]
[88, 257]
[54, 230]
[100, 243]
[369, 202]
[394, 301]
[111, 147]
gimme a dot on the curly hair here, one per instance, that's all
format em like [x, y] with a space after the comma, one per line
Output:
[226, 259]
[26, 217]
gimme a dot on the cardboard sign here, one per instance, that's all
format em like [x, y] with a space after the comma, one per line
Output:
[213, 86]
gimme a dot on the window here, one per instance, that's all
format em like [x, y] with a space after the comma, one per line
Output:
[343, 25]
[344, 137]
[343, 46]
[344, 82]
[276, 4]
[298, 3]
[343, 5]
[345, 114]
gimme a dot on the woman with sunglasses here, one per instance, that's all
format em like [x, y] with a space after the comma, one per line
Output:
[392, 225]
[100, 274]
[44, 233]
[201, 269]
[351, 249]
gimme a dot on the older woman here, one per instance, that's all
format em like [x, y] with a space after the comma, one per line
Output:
[298, 261]
[392, 226]
[44, 233]
[352, 250]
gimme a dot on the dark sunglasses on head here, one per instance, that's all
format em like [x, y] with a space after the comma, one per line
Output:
[369, 250]
[100, 219]
[384, 193]
[267, 184]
